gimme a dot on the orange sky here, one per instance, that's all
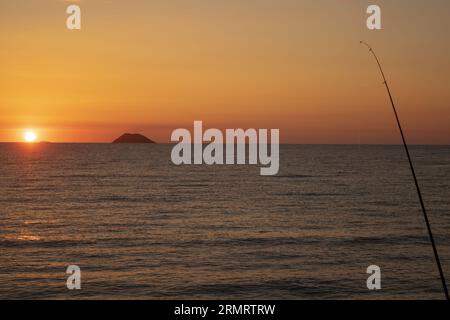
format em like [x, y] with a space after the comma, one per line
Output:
[153, 66]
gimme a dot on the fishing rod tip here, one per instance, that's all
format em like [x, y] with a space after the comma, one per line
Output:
[366, 44]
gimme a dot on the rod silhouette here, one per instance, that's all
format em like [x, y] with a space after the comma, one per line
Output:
[419, 194]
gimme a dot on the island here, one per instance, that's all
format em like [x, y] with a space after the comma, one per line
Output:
[133, 138]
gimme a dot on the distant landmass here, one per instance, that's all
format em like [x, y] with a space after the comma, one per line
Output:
[133, 138]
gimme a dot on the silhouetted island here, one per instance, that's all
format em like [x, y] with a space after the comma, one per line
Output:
[133, 138]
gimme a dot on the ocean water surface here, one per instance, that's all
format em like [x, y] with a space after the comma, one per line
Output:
[140, 227]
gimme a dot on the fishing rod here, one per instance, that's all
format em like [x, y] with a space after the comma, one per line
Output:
[430, 234]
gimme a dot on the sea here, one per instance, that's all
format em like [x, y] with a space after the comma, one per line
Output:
[140, 227]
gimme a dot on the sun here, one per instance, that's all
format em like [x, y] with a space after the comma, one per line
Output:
[30, 136]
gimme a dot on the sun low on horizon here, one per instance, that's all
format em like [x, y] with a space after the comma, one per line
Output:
[30, 136]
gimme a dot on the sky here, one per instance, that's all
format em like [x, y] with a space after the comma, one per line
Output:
[153, 66]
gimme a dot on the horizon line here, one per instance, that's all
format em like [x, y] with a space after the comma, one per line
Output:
[174, 143]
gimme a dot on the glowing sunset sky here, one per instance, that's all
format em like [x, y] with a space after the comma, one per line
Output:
[153, 66]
